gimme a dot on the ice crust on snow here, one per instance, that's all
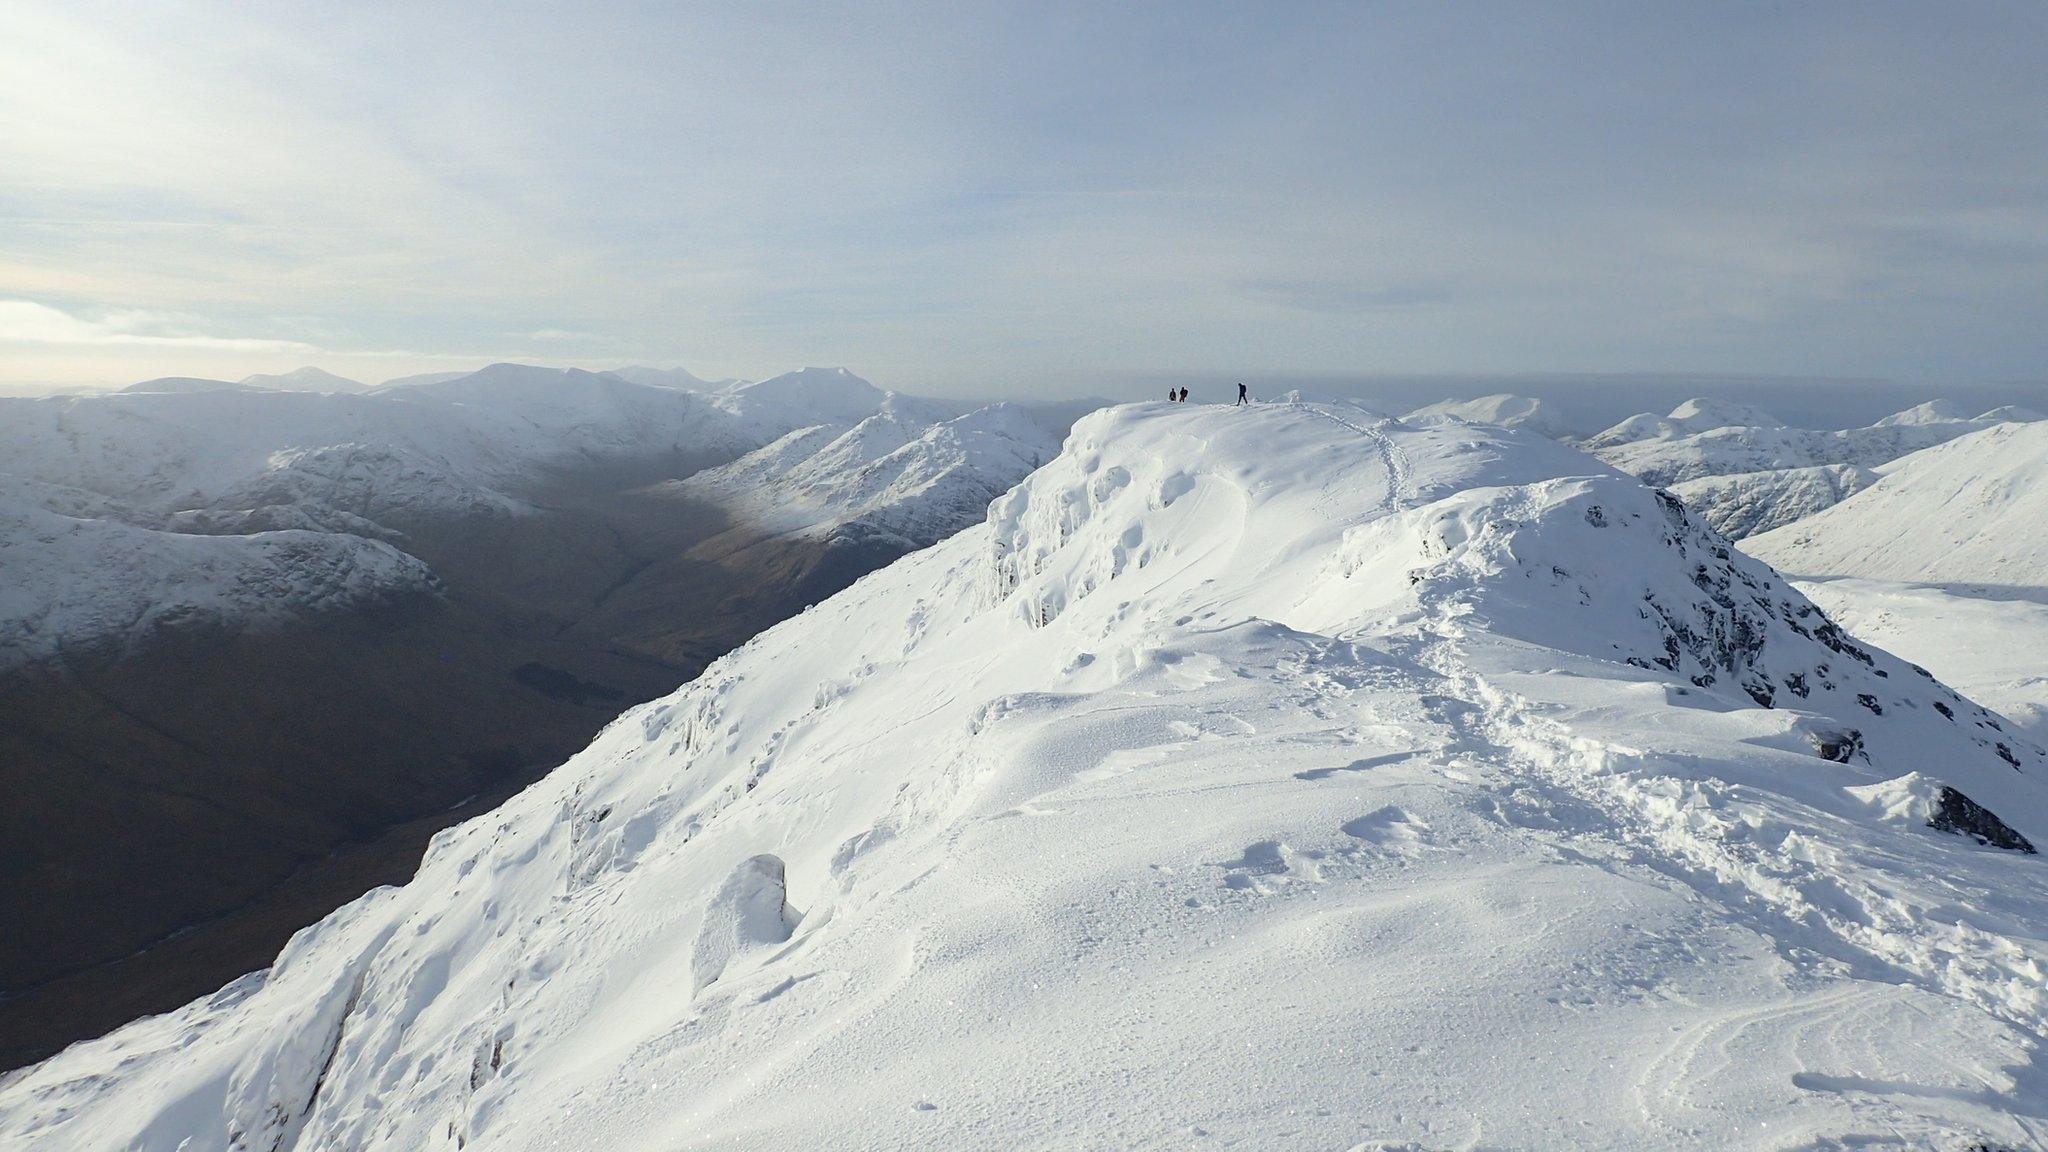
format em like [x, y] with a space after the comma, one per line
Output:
[1289, 776]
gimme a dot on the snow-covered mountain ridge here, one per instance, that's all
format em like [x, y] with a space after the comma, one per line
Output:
[1683, 455]
[440, 447]
[1943, 557]
[1746, 503]
[1968, 511]
[73, 581]
[1436, 765]
[904, 473]
[157, 464]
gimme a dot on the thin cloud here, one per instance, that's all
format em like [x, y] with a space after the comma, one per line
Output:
[28, 322]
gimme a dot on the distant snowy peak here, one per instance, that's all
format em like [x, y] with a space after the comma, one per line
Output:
[1732, 450]
[418, 379]
[670, 378]
[1968, 511]
[307, 379]
[1931, 412]
[2013, 413]
[79, 585]
[1747, 503]
[1701, 413]
[1504, 409]
[182, 384]
[804, 397]
[1698, 414]
[900, 473]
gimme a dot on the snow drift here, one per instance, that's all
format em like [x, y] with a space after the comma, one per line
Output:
[1283, 777]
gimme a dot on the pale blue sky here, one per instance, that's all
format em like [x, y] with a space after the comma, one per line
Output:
[970, 196]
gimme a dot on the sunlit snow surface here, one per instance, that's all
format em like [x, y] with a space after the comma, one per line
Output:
[1270, 778]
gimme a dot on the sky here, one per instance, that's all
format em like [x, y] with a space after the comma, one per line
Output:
[975, 197]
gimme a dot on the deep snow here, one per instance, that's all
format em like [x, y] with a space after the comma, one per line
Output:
[1272, 778]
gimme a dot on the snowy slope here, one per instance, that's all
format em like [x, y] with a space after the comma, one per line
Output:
[1274, 778]
[901, 473]
[1504, 409]
[1969, 511]
[75, 583]
[1989, 647]
[1943, 560]
[1698, 414]
[1750, 502]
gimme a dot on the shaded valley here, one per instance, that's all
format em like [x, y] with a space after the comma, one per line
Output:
[178, 808]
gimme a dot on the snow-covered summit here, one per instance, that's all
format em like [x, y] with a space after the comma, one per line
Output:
[1504, 409]
[183, 384]
[670, 378]
[1436, 764]
[307, 379]
[1698, 414]
[1931, 412]
[823, 395]
[2012, 413]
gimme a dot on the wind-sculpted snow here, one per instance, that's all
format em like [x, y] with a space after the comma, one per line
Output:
[75, 585]
[1281, 777]
[1747, 503]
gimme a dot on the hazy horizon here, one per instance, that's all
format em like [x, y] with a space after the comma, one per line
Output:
[987, 196]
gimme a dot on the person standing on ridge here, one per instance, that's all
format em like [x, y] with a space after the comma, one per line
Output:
[1183, 395]
[1170, 397]
[1242, 396]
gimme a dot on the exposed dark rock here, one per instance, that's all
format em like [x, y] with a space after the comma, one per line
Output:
[1963, 816]
[1838, 746]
